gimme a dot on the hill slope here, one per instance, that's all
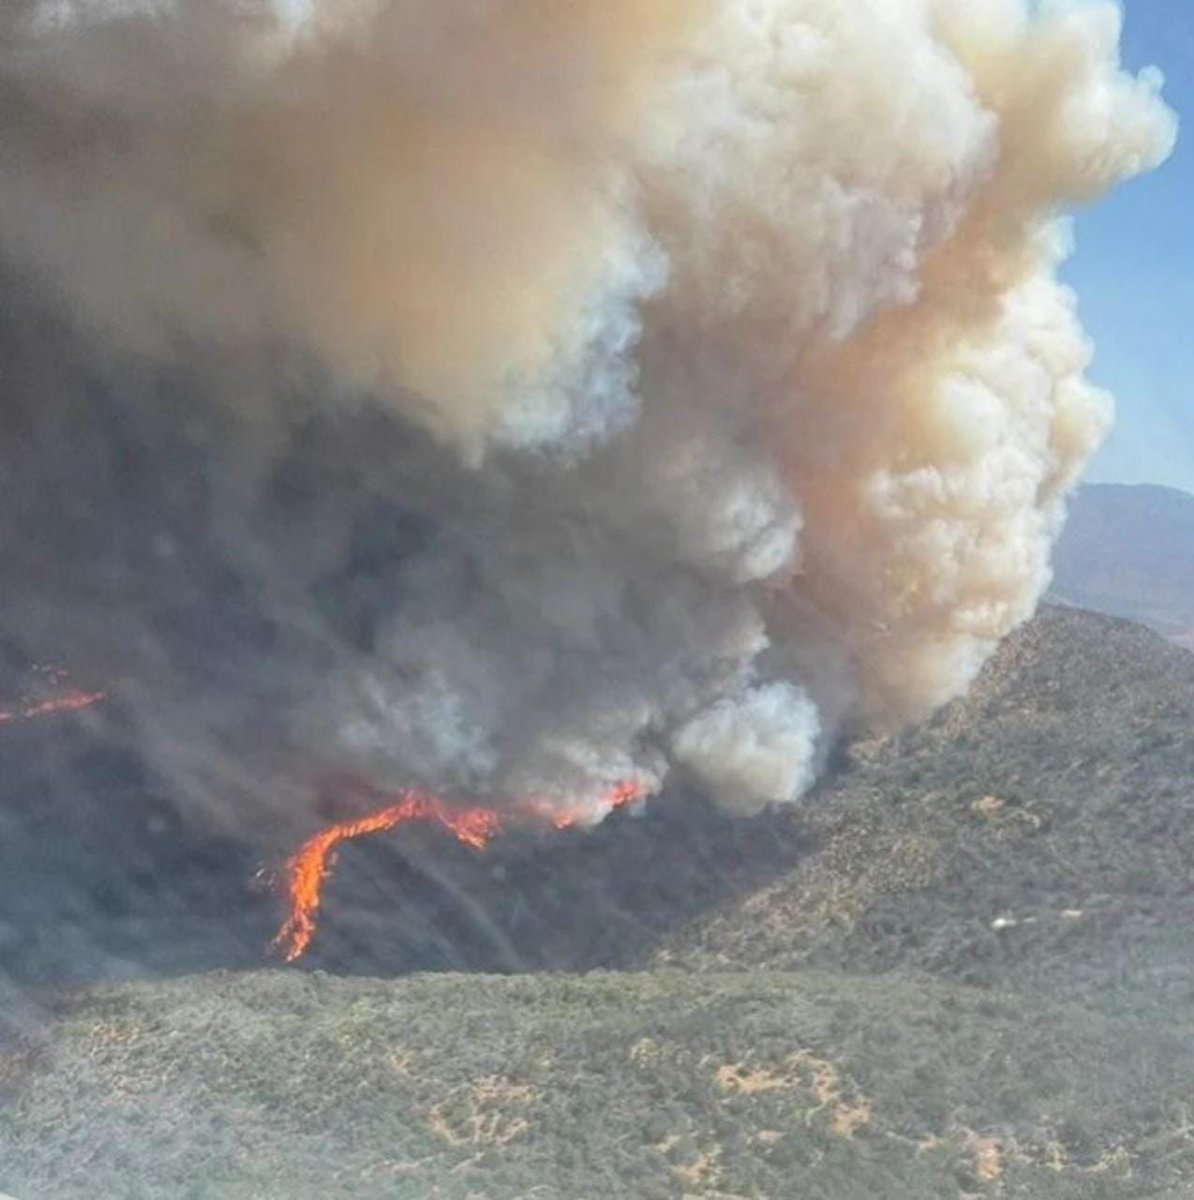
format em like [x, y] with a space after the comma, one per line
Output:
[1037, 834]
[964, 968]
[650, 1086]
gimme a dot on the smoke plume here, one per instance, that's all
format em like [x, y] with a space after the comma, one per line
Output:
[516, 397]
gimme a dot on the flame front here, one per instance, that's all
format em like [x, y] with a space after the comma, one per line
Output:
[73, 701]
[309, 869]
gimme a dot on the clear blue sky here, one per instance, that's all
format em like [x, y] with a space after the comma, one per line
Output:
[1134, 272]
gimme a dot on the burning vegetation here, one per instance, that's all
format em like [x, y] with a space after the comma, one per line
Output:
[309, 869]
[68, 699]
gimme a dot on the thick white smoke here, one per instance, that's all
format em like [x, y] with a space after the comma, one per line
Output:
[752, 398]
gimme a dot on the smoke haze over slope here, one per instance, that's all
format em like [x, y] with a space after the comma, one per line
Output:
[558, 394]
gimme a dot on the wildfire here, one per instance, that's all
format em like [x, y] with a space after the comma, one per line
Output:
[71, 701]
[311, 866]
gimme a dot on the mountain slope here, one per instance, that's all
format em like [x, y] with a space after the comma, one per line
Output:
[1036, 835]
[965, 968]
[650, 1086]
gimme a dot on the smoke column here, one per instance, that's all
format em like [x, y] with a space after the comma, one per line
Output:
[573, 394]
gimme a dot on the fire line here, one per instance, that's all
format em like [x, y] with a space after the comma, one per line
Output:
[71, 702]
[307, 871]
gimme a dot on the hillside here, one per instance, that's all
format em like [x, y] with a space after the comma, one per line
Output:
[1036, 834]
[1129, 551]
[964, 968]
[652, 1086]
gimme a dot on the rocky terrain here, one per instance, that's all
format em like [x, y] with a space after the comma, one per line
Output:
[964, 968]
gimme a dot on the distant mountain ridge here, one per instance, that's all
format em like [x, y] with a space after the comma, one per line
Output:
[1128, 550]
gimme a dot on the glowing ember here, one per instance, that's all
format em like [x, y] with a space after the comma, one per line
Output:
[71, 702]
[308, 870]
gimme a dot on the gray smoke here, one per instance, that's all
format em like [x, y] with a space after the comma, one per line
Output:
[575, 393]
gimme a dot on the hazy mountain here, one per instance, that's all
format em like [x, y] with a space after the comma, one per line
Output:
[964, 968]
[1129, 551]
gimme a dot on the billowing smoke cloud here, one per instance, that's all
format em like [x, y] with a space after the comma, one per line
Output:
[582, 392]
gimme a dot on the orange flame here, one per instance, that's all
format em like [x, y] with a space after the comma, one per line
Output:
[310, 868]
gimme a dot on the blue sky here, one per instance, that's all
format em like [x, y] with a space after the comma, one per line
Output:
[1134, 273]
